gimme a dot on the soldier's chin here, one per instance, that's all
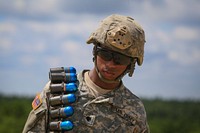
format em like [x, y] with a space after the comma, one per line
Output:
[108, 76]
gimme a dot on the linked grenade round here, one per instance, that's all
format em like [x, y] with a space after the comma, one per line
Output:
[61, 125]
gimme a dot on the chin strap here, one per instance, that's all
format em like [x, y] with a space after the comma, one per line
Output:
[130, 69]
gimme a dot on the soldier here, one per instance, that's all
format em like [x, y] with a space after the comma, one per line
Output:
[104, 104]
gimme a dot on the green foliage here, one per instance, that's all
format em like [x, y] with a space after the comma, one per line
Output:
[173, 116]
[14, 112]
[163, 116]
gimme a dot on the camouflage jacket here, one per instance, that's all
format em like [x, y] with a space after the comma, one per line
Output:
[118, 111]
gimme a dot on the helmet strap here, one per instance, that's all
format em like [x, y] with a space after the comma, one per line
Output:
[132, 67]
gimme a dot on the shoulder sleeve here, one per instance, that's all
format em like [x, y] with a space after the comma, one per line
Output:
[135, 108]
[36, 121]
[143, 118]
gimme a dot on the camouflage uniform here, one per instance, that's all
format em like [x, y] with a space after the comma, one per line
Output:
[118, 111]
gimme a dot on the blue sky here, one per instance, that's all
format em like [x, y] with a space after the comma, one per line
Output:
[38, 34]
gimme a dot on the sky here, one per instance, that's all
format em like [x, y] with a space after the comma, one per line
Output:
[36, 35]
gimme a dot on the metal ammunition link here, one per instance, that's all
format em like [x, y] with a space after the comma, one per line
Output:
[62, 88]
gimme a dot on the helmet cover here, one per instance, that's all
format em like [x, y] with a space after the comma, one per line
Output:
[121, 34]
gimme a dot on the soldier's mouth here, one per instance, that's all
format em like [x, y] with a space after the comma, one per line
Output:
[108, 74]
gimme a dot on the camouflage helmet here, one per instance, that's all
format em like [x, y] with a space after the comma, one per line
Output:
[121, 34]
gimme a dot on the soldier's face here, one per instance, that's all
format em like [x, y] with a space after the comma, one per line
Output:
[109, 69]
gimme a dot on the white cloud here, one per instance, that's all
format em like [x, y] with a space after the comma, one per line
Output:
[27, 60]
[163, 36]
[184, 48]
[44, 6]
[29, 8]
[35, 48]
[187, 57]
[186, 33]
[53, 61]
[169, 10]
[5, 46]
[61, 29]
[70, 47]
[7, 27]
[178, 43]
[77, 54]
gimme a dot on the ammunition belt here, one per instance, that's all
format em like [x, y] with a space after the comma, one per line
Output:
[63, 86]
